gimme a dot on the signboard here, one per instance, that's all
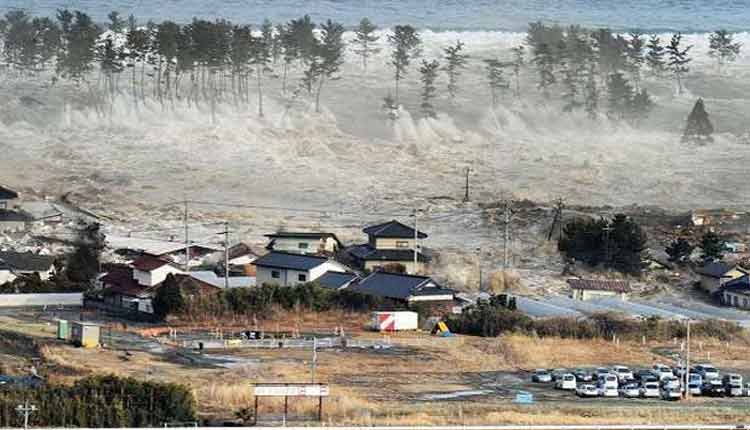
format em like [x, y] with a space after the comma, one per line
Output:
[524, 398]
[310, 390]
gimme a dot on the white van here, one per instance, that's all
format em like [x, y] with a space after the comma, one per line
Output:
[609, 381]
[707, 371]
[661, 371]
[566, 382]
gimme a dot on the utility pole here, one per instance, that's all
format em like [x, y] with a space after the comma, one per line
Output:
[416, 241]
[226, 255]
[25, 410]
[187, 238]
[507, 215]
[314, 361]
[466, 190]
[479, 266]
[557, 219]
[687, 362]
[607, 230]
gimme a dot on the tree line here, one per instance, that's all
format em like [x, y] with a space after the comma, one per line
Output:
[208, 62]
[100, 401]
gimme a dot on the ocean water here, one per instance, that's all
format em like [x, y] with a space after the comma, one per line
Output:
[689, 16]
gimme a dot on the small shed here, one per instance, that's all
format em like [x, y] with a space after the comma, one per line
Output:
[395, 321]
[63, 330]
[84, 334]
[586, 289]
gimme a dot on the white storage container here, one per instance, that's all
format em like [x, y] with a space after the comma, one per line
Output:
[394, 321]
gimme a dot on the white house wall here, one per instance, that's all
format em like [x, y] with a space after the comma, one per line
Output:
[156, 276]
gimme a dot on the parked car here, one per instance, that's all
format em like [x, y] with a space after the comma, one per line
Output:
[712, 388]
[671, 382]
[623, 373]
[650, 390]
[695, 382]
[608, 391]
[671, 394]
[600, 371]
[645, 375]
[707, 371]
[661, 371]
[541, 375]
[733, 385]
[679, 371]
[566, 382]
[582, 375]
[609, 380]
[746, 391]
[558, 373]
[587, 390]
[630, 390]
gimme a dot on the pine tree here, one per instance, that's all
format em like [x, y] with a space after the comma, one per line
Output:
[455, 62]
[116, 23]
[699, 127]
[655, 55]
[545, 64]
[364, 39]
[571, 92]
[406, 45]
[428, 75]
[619, 96]
[331, 55]
[721, 46]
[679, 250]
[260, 57]
[713, 247]
[518, 62]
[78, 50]
[635, 58]
[591, 94]
[678, 59]
[641, 105]
[495, 78]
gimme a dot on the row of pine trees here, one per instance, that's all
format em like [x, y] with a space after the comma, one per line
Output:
[209, 62]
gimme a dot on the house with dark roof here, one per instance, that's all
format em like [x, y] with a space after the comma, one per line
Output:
[6, 195]
[715, 274]
[403, 288]
[736, 293]
[15, 264]
[304, 242]
[587, 289]
[120, 288]
[289, 268]
[336, 280]
[390, 243]
[14, 221]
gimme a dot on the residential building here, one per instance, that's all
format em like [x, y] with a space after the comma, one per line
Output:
[12, 221]
[122, 290]
[736, 292]
[587, 289]
[150, 271]
[289, 268]
[15, 264]
[211, 278]
[337, 280]
[404, 289]
[390, 243]
[241, 257]
[167, 250]
[6, 197]
[715, 274]
[304, 242]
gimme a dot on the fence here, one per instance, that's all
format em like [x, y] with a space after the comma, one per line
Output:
[41, 299]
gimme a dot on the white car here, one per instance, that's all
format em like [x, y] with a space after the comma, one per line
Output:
[661, 371]
[707, 371]
[609, 380]
[623, 373]
[606, 391]
[630, 390]
[587, 390]
[695, 382]
[670, 383]
[650, 390]
[671, 394]
[566, 382]
[541, 375]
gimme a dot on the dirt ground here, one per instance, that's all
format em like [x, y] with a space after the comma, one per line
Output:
[417, 379]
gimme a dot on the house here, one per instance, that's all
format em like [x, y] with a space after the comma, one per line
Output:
[706, 217]
[404, 289]
[150, 271]
[736, 293]
[6, 196]
[289, 268]
[390, 243]
[304, 242]
[337, 280]
[15, 264]
[715, 274]
[211, 278]
[587, 289]
[120, 289]
[168, 250]
[14, 221]
[241, 258]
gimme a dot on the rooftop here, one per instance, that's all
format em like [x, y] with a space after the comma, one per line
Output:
[214, 280]
[398, 286]
[716, 269]
[14, 216]
[302, 234]
[7, 194]
[119, 280]
[599, 285]
[26, 261]
[288, 260]
[148, 263]
[335, 280]
[367, 252]
[392, 229]
[153, 246]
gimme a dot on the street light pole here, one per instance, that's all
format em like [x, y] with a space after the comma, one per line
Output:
[687, 362]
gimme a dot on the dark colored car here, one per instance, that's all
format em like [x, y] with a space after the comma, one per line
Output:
[712, 389]
[645, 375]
[582, 375]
